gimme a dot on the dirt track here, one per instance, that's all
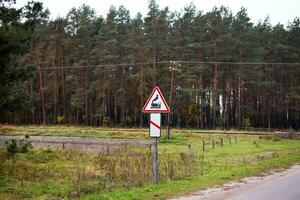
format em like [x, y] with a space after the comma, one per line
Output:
[88, 144]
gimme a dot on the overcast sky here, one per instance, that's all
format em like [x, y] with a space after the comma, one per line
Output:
[279, 11]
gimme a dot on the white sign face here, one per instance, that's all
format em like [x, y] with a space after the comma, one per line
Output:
[156, 103]
[155, 127]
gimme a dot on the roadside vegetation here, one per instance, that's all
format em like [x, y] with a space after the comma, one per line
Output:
[126, 173]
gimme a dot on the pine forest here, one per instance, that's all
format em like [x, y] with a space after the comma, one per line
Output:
[216, 69]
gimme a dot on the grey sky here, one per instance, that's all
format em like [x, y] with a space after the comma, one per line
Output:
[279, 11]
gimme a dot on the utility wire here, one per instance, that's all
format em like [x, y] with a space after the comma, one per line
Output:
[171, 62]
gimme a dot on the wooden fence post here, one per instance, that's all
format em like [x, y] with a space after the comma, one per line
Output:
[107, 150]
[190, 149]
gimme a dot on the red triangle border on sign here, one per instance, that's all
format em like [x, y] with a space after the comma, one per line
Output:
[163, 99]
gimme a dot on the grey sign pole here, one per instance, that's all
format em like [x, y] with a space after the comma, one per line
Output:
[155, 105]
[155, 161]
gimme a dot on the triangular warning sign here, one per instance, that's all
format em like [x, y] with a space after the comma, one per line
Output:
[156, 103]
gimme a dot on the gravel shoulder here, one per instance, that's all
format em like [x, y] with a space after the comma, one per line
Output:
[86, 144]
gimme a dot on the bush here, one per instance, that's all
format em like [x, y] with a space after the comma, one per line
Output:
[270, 137]
[106, 121]
[247, 121]
[128, 121]
[24, 146]
[13, 147]
[60, 119]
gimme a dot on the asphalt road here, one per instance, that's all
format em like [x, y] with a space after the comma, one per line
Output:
[284, 185]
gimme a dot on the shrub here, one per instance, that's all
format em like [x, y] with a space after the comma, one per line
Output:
[128, 121]
[256, 144]
[247, 121]
[24, 146]
[60, 119]
[13, 147]
[106, 121]
[270, 137]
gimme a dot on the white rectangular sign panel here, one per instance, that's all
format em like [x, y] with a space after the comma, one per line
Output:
[155, 127]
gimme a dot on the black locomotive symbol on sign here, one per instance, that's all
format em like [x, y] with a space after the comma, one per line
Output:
[155, 104]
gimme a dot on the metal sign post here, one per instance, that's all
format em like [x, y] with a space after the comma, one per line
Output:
[155, 105]
[155, 161]
[155, 130]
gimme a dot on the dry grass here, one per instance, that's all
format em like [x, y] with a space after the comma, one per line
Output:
[58, 174]
[83, 173]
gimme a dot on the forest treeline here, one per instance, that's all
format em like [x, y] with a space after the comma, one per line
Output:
[86, 69]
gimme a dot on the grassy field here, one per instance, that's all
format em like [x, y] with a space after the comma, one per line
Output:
[183, 165]
[104, 132]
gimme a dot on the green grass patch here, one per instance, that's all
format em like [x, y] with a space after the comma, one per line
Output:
[217, 177]
[127, 173]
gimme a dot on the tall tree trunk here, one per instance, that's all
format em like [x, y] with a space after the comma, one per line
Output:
[170, 102]
[215, 95]
[64, 92]
[86, 87]
[41, 87]
[42, 102]
[32, 121]
[142, 93]
[154, 68]
[202, 95]
[239, 102]
[123, 104]
[55, 82]
[201, 99]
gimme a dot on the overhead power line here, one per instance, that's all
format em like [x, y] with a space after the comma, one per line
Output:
[171, 62]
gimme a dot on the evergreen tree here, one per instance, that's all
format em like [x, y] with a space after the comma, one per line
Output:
[94, 70]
